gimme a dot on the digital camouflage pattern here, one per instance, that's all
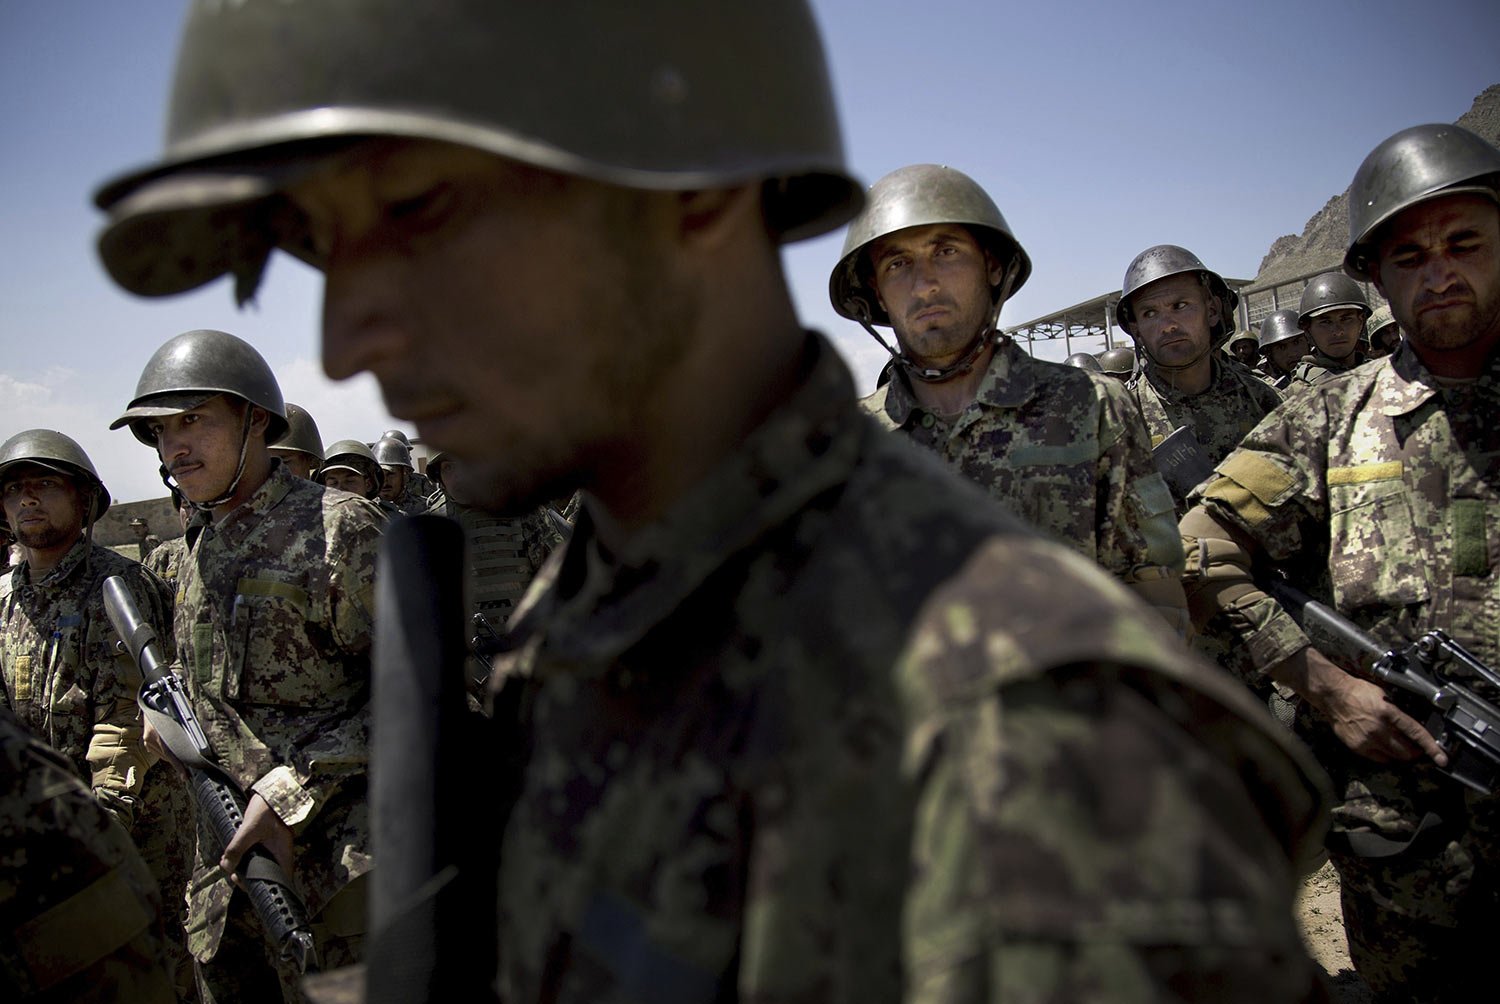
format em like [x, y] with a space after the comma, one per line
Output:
[64, 680]
[1062, 448]
[411, 501]
[273, 628]
[166, 560]
[1317, 368]
[1378, 491]
[504, 555]
[839, 728]
[79, 912]
[1236, 399]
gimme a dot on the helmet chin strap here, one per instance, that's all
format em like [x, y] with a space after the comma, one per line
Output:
[234, 483]
[982, 340]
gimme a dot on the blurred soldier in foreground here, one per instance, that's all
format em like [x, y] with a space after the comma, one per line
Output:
[931, 257]
[800, 715]
[1178, 312]
[273, 633]
[62, 676]
[1118, 362]
[1332, 312]
[1384, 332]
[301, 449]
[1376, 492]
[80, 912]
[1283, 343]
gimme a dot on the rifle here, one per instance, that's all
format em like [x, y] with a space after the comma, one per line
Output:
[1465, 725]
[221, 803]
[1182, 462]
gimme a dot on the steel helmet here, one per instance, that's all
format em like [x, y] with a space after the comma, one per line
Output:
[397, 435]
[1165, 260]
[1380, 318]
[673, 95]
[392, 453]
[56, 452]
[302, 433]
[195, 366]
[1330, 291]
[1240, 336]
[1278, 326]
[352, 455]
[1416, 164]
[1084, 361]
[1119, 361]
[915, 196]
[435, 465]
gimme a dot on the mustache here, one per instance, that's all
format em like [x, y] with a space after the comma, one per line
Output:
[937, 301]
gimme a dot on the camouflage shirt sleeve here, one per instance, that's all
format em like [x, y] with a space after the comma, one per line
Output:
[1145, 530]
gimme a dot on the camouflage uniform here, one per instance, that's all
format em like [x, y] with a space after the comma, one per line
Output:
[420, 485]
[505, 553]
[1063, 449]
[838, 728]
[79, 912]
[166, 561]
[64, 680]
[1220, 416]
[1317, 368]
[273, 629]
[1377, 491]
[410, 501]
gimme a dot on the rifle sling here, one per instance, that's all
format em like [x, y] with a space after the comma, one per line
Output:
[1363, 844]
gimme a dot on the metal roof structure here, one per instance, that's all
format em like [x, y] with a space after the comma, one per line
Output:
[1092, 318]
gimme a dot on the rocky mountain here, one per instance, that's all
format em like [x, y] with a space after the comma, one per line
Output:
[1321, 243]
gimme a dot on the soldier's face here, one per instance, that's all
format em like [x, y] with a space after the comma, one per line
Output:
[394, 483]
[1174, 318]
[44, 508]
[298, 463]
[201, 447]
[349, 481]
[1439, 265]
[523, 320]
[934, 282]
[1337, 332]
[1284, 354]
[1245, 352]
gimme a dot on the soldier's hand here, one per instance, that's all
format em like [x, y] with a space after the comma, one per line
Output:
[1360, 712]
[261, 826]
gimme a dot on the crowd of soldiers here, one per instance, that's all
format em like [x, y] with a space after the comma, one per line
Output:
[958, 692]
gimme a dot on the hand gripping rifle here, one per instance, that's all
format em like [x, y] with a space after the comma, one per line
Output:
[221, 803]
[1466, 725]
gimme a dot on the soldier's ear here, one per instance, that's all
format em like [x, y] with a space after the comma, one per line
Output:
[260, 421]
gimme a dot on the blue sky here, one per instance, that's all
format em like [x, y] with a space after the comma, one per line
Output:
[1099, 128]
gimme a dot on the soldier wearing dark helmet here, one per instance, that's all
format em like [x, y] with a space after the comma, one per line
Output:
[1283, 343]
[932, 257]
[1118, 362]
[417, 482]
[1178, 312]
[272, 624]
[60, 672]
[1376, 493]
[1384, 334]
[1083, 361]
[799, 715]
[1242, 346]
[301, 448]
[398, 487]
[1332, 311]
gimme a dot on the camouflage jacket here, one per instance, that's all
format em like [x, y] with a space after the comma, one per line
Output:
[273, 626]
[1380, 491]
[838, 728]
[1231, 406]
[504, 555]
[1317, 368]
[166, 560]
[410, 501]
[62, 676]
[80, 916]
[1061, 447]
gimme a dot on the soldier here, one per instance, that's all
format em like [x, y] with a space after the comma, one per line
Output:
[420, 483]
[80, 912]
[166, 561]
[932, 257]
[1282, 343]
[350, 466]
[1385, 333]
[62, 676]
[301, 449]
[1244, 347]
[1178, 312]
[802, 715]
[145, 540]
[1118, 362]
[1376, 491]
[273, 637]
[1083, 361]
[1332, 312]
[398, 487]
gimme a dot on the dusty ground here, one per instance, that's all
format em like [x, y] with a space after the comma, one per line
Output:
[1323, 930]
